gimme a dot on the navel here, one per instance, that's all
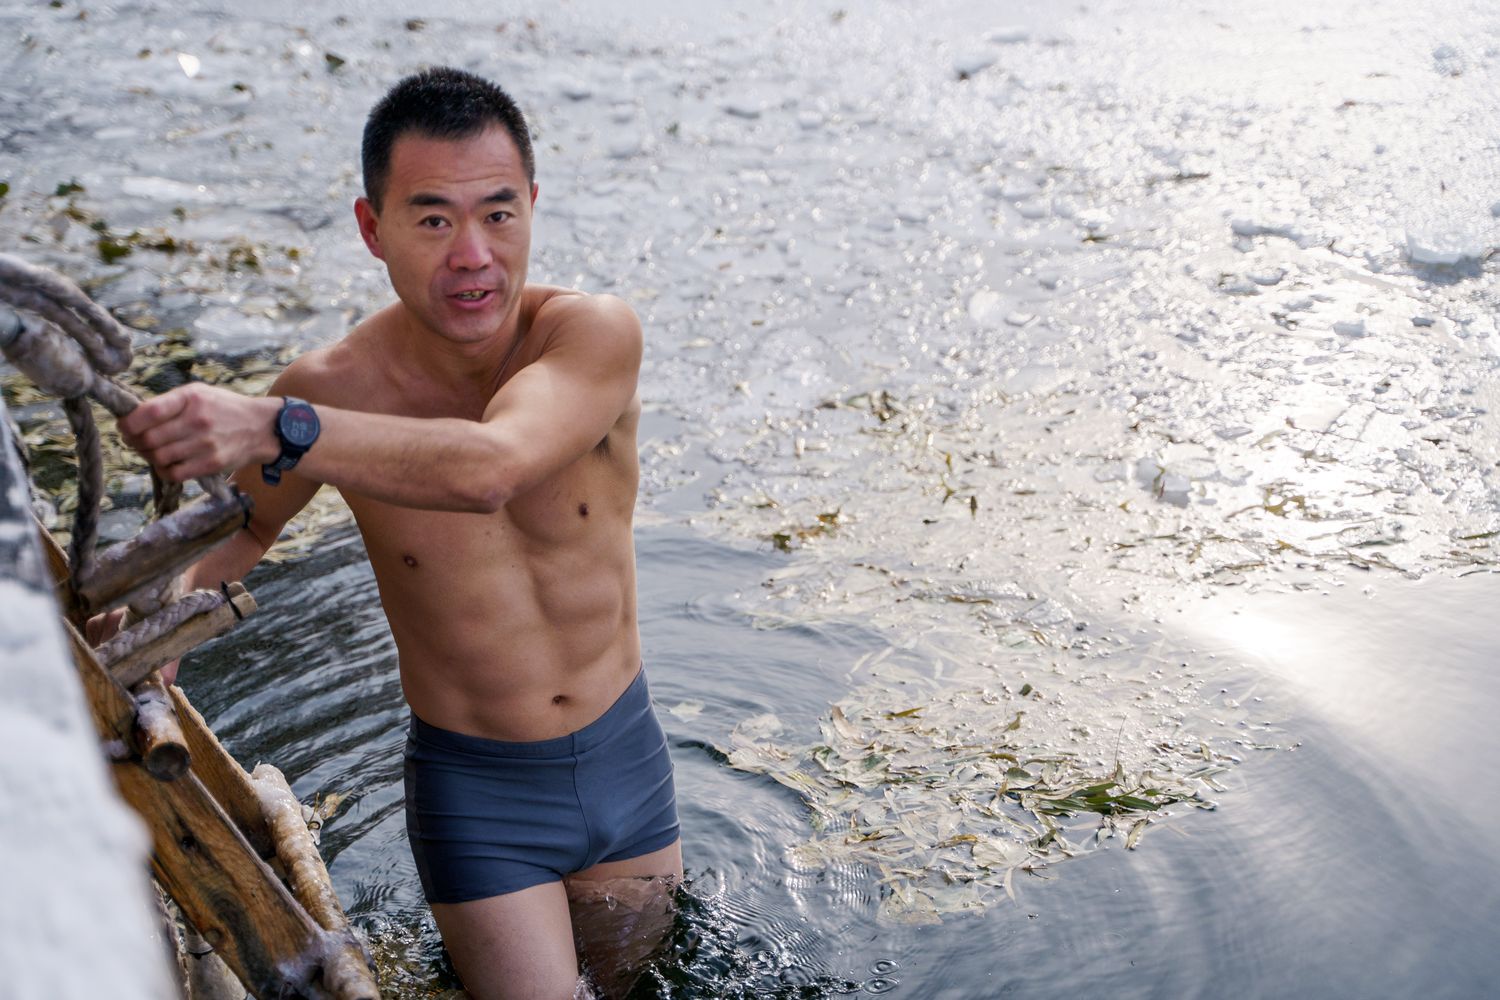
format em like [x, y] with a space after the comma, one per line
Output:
[410, 561]
[559, 699]
[583, 510]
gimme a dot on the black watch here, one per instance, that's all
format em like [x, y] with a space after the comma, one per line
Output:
[296, 429]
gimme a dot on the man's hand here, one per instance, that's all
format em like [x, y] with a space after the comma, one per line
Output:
[102, 628]
[199, 430]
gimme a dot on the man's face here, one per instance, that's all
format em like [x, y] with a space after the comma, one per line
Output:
[454, 231]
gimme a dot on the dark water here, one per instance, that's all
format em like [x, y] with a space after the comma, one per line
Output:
[1359, 864]
[1150, 359]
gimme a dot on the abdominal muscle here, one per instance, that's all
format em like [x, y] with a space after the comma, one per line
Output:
[499, 638]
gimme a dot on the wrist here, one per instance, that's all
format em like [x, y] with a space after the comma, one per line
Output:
[267, 445]
[295, 429]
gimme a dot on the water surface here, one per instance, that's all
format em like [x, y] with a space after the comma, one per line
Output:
[1145, 361]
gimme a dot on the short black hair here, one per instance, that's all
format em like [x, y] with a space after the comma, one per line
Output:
[440, 103]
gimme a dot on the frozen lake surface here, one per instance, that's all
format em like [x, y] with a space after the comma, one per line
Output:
[1143, 359]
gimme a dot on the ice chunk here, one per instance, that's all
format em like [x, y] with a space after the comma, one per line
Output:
[1112, 472]
[1351, 328]
[1446, 248]
[1008, 35]
[1018, 318]
[576, 90]
[624, 147]
[163, 189]
[1174, 488]
[1448, 61]
[1268, 277]
[983, 305]
[966, 64]
[1244, 226]
[744, 108]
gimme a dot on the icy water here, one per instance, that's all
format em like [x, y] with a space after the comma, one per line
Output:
[1126, 372]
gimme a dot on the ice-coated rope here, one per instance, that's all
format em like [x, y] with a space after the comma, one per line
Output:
[70, 346]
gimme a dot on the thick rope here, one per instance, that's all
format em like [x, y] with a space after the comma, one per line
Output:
[60, 301]
[68, 345]
[164, 622]
[90, 484]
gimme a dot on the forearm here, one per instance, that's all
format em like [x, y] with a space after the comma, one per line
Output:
[430, 464]
[433, 464]
[228, 563]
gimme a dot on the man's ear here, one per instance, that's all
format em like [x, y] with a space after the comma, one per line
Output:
[369, 225]
[534, 189]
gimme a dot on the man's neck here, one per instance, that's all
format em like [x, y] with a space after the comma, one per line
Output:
[478, 367]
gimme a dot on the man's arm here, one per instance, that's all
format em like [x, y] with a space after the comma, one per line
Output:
[549, 413]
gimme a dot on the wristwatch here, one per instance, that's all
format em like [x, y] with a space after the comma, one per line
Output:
[296, 429]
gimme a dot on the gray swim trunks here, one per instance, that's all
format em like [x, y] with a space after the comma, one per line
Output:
[487, 817]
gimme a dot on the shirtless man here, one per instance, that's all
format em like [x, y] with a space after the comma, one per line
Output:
[483, 432]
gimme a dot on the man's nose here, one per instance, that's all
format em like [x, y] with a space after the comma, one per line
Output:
[468, 251]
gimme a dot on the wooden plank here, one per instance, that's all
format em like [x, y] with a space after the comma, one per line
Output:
[141, 660]
[164, 548]
[223, 776]
[113, 708]
[57, 563]
[158, 732]
[228, 893]
[347, 971]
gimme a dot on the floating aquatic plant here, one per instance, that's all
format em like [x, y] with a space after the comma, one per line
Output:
[945, 797]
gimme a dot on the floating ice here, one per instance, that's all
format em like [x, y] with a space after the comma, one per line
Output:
[741, 108]
[1268, 277]
[191, 65]
[1351, 328]
[1008, 35]
[576, 90]
[1448, 61]
[1094, 220]
[222, 326]
[966, 64]
[1244, 226]
[163, 189]
[1018, 318]
[1446, 248]
[624, 147]
[983, 305]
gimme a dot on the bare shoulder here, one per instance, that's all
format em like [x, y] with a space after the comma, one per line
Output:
[563, 316]
[337, 375]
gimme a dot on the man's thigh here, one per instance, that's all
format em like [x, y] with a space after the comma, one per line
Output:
[623, 913]
[518, 946]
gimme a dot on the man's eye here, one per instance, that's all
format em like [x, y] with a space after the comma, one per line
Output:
[432, 222]
[500, 216]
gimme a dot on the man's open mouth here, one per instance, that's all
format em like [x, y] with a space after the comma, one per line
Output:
[473, 296]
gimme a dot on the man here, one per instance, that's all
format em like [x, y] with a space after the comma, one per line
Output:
[483, 432]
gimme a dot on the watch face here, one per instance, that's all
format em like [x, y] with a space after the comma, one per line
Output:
[299, 425]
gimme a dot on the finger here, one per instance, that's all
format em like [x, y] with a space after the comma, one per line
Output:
[195, 466]
[152, 412]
